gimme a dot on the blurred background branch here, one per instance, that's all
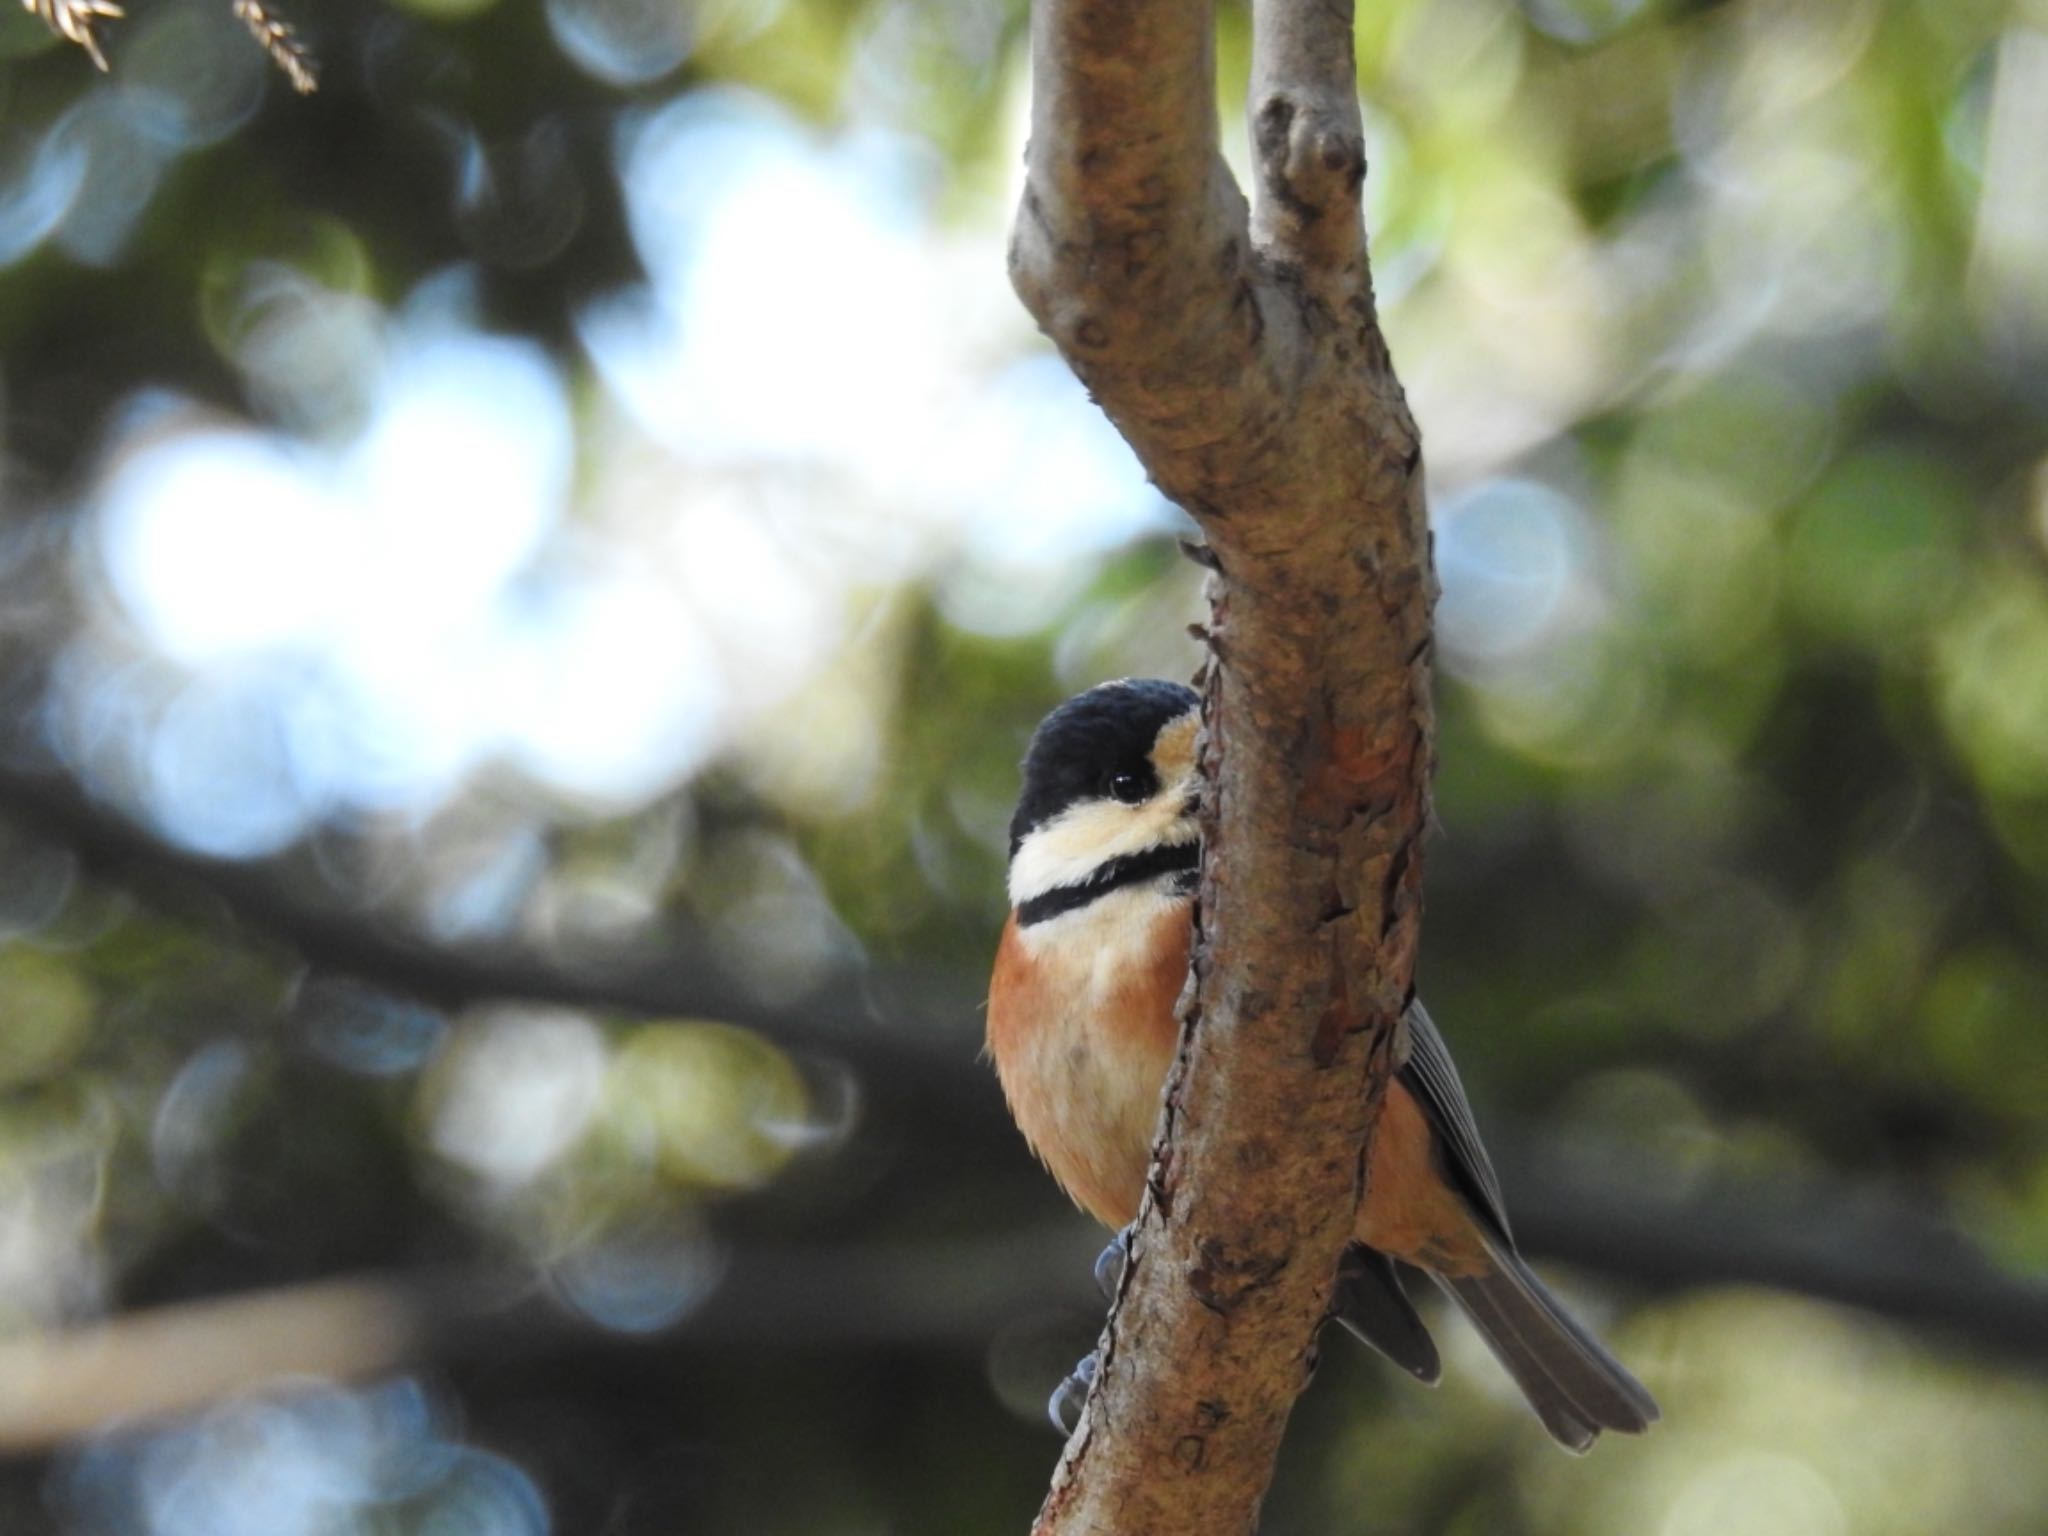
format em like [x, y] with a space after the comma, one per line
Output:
[1655, 1229]
[892, 1025]
[1835, 1245]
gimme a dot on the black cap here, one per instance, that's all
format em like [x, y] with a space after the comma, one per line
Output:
[1090, 740]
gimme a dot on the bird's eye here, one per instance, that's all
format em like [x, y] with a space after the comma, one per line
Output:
[1128, 788]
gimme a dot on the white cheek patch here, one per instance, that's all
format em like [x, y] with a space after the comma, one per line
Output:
[1076, 843]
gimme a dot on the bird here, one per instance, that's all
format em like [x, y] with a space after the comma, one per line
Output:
[1104, 854]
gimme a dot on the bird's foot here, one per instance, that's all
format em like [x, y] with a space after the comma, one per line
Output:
[1111, 1263]
[1065, 1407]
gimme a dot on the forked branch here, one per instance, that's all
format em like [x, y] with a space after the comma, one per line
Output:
[1241, 355]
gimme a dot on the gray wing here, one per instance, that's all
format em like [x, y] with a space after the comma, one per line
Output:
[1429, 1075]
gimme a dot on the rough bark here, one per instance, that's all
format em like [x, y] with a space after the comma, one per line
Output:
[1241, 356]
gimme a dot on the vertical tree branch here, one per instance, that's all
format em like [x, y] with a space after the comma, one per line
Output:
[1130, 248]
[1242, 358]
[1308, 137]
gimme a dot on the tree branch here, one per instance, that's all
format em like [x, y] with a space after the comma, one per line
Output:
[177, 1358]
[1130, 248]
[885, 1020]
[1244, 363]
[1308, 136]
[1828, 1243]
[1852, 1245]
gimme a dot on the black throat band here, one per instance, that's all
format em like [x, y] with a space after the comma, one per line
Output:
[1181, 859]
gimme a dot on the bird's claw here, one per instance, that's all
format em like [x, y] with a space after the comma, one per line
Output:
[1111, 1263]
[1064, 1409]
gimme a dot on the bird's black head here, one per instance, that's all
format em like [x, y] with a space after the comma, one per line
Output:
[1098, 746]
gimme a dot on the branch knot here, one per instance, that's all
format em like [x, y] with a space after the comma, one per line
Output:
[1311, 162]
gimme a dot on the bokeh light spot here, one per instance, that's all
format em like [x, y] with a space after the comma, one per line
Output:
[219, 543]
[363, 1029]
[1876, 549]
[1759, 1494]
[622, 42]
[716, 1106]
[1510, 554]
[482, 1495]
[515, 1091]
[640, 1282]
[1581, 21]
[48, 1008]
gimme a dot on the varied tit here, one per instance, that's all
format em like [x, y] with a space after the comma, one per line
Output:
[1103, 860]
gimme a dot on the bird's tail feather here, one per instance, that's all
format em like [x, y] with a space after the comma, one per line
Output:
[1372, 1305]
[1576, 1387]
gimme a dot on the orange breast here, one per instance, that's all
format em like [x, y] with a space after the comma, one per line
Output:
[1081, 1027]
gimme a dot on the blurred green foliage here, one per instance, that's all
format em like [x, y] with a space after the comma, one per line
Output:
[1727, 324]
